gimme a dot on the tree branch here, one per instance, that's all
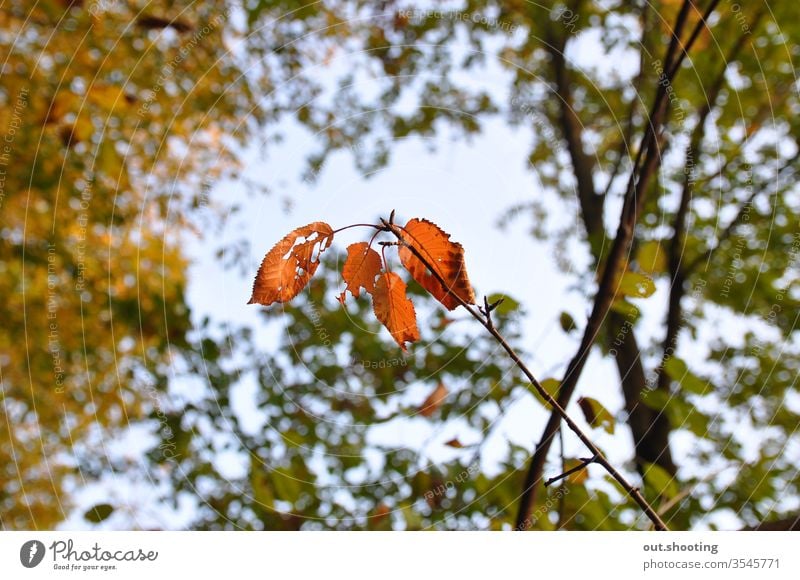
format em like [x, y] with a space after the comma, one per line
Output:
[586, 462]
[647, 160]
[571, 127]
[675, 252]
[599, 458]
[627, 134]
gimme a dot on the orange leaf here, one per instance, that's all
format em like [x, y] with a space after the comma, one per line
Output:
[289, 265]
[360, 269]
[393, 308]
[446, 257]
[434, 400]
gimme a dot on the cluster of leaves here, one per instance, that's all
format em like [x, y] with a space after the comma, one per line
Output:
[425, 251]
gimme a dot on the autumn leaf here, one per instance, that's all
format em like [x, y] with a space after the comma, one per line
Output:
[361, 267]
[444, 256]
[394, 310]
[434, 400]
[455, 443]
[289, 265]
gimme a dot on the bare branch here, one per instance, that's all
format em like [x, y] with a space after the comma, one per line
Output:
[585, 462]
[647, 161]
[677, 272]
[599, 458]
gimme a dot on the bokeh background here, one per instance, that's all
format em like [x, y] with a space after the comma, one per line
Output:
[151, 152]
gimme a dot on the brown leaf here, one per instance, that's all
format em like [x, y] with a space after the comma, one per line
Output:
[446, 257]
[289, 265]
[455, 443]
[393, 308]
[434, 400]
[360, 269]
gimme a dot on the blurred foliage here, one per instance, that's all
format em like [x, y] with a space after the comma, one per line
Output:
[118, 117]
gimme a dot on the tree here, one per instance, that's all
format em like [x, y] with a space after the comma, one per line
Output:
[680, 172]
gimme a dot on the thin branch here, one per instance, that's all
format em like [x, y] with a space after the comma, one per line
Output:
[558, 409]
[585, 462]
[572, 129]
[357, 226]
[627, 134]
[562, 490]
[647, 160]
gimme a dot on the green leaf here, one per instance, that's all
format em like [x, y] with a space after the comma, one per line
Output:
[99, 513]
[680, 373]
[259, 481]
[506, 307]
[682, 414]
[551, 386]
[636, 285]
[567, 322]
[596, 414]
[662, 483]
[652, 258]
[657, 400]
[629, 311]
[286, 484]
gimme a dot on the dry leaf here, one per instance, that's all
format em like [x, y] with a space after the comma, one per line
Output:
[434, 400]
[446, 257]
[393, 308]
[455, 443]
[361, 267]
[289, 265]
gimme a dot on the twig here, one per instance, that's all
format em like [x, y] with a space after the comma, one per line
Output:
[585, 462]
[558, 409]
[562, 504]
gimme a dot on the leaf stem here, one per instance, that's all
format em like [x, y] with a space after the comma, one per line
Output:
[377, 227]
